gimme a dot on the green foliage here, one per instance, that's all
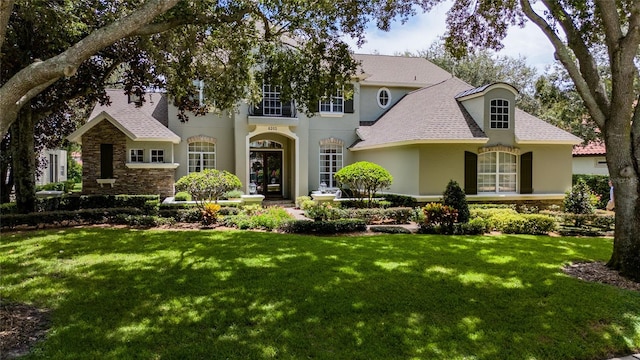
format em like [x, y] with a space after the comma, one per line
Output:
[476, 226]
[599, 185]
[8, 208]
[257, 217]
[323, 227]
[400, 200]
[379, 215]
[74, 169]
[324, 212]
[390, 229]
[209, 184]
[302, 202]
[438, 219]
[64, 186]
[580, 200]
[182, 196]
[364, 178]
[233, 194]
[65, 218]
[455, 197]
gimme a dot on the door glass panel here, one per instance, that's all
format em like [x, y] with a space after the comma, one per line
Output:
[266, 172]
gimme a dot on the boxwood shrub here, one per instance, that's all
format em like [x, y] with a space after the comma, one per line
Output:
[323, 227]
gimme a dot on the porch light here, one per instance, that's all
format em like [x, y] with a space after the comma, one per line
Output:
[323, 187]
[252, 188]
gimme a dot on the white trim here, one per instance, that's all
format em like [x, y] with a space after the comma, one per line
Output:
[331, 114]
[106, 181]
[131, 165]
[548, 142]
[389, 98]
[158, 152]
[422, 142]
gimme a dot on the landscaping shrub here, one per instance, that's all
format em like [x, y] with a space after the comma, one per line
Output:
[323, 227]
[605, 222]
[182, 196]
[476, 226]
[324, 212]
[364, 179]
[256, 217]
[455, 198]
[304, 202]
[141, 220]
[90, 216]
[401, 200]
[209, 184]
[599, 184]
[64, 186]
[210, 213]
[580, 199]
[438, 219]
[390, 229]
[375, 215]
[8, 208]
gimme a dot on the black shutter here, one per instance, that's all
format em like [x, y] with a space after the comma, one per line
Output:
[470, 173]
[526, 173]
[288, 109]
[106, 161]
[348, 104]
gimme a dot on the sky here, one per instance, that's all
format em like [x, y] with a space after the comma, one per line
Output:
[423, 29]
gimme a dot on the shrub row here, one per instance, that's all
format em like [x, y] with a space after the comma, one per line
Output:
[327, 212]
[65, 186]
[510, 221]
[70, 203]
[323, 227]
[65, 218]
[476, 226]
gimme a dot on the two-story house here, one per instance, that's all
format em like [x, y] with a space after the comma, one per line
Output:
[408, 115]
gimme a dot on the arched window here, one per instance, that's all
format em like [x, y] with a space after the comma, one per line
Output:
[330, 160]
[497, 172]
[499, 113]
[202, 155]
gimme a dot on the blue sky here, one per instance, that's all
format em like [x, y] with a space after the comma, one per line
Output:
[420, 31]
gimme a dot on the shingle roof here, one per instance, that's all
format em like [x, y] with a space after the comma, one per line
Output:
[430, 114]
[433, 115]
[592, 148]
[144, 123]
[400, 71]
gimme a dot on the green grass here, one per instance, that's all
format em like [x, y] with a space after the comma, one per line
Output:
[125, 294]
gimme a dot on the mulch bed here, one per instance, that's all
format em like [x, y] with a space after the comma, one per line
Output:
[21, 327]
[599, 272]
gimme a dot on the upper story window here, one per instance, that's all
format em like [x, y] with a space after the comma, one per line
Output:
[202, 155]
[497, 172]
[157, 156]
[199, 89]
[136, 155]
[271, 102]
[384, 98]
[499, 114]
[333, 104]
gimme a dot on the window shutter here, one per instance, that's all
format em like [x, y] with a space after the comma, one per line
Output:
[288, 109]
[526, 173]
[348, 104]
[106, 161]
[470, 173]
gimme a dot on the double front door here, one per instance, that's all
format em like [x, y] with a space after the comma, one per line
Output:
[266, 172]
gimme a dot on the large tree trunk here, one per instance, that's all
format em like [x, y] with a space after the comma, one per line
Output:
[6, 174]
[24, 161]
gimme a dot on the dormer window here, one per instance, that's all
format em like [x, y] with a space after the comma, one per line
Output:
[133, 98]
[499, 114]
[333, 104]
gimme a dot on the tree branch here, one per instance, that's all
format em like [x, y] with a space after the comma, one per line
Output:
[563, 55]
[23, 85]
[6, 7]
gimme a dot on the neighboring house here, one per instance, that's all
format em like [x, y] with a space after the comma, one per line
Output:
[54, 166]
[408, 115]
[590, 159]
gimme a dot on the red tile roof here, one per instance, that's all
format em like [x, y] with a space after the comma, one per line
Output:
[592, 148]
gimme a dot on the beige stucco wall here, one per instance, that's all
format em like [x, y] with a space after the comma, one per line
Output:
[440, 163]
[475, 108]
[147, 146]
[552, 169]
[499, 136]
[401, 162]
[369, 108]
[588, 165]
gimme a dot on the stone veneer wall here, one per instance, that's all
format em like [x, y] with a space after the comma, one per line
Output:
[127, 181]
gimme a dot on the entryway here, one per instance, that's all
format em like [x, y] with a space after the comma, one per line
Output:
[265, 171]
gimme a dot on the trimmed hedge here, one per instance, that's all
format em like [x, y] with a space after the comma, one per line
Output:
[323, 227]
[65, 218]
[390, 229]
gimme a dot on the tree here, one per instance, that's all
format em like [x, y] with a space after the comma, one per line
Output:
[577, 29]
[455, 197]
[207, 185]
[364, 178]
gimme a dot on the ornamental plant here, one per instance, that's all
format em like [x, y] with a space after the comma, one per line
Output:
[364, 179]
[207, 185]
[454, 197]
[580, 200]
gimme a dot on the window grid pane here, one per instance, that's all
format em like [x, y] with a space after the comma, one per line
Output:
[330, 163]
[201, 155]
[157, 156]
[497, 172]
[333, 104]
[499, 114]
[137, 155]
[271, 104]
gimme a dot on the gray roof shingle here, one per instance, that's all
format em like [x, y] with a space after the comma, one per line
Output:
[403, 71]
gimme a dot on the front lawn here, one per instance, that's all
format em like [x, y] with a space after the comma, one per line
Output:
[120, 294]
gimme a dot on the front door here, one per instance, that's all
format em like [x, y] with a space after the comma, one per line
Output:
[266, 172]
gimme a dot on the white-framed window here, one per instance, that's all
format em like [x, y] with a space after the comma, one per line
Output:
[499, 114]
[157, 156]
[333, 104]
[199, 85]
[384, 98]
[330, 163]
[136, 155]
[497, 172]
[271, 102]
[202, 155]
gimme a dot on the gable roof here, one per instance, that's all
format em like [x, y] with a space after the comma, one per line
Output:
[142, 123]
[434, 115]
[386, 70]
[592, 148]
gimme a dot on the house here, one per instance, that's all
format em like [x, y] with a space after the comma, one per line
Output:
[590, 159]
[408, 115]
[53, 166]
